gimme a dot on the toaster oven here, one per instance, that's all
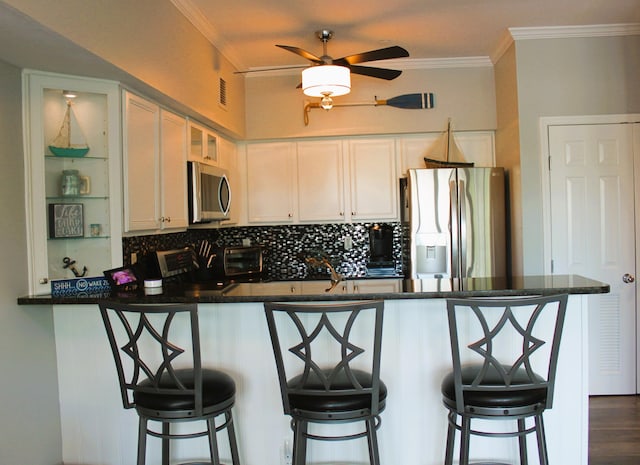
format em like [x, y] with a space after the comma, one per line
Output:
[238, 262]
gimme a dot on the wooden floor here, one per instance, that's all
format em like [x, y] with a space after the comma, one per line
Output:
[614, 430]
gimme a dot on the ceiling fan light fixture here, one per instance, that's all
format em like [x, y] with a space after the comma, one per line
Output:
[326, 80]
[326, 102]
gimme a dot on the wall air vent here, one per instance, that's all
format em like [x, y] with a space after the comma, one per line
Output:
[222, 94]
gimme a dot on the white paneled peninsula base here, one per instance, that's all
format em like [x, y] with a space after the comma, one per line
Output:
[415, 356]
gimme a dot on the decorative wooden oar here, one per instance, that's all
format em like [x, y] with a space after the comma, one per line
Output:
[407, 101]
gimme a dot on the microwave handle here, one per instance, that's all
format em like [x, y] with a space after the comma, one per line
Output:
[224, 196]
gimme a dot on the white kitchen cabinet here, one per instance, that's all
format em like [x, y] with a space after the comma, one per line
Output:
[154, 143]
[90, 234]
[320, 181]
[307, 181]
[477, 147]
[203, 144]
[173, 171]
[364, 286]
[372, 179]
[271, 183]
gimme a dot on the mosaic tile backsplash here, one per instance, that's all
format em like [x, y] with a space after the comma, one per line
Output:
[282, 246]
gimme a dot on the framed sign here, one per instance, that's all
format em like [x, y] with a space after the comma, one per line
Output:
[66, 220]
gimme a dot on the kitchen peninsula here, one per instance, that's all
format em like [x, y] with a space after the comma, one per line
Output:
[415, 357]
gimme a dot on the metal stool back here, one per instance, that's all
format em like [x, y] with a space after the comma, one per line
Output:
[328, 363]
[156, 349]
[505, 353]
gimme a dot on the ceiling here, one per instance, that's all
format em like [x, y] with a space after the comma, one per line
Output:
[246, 31]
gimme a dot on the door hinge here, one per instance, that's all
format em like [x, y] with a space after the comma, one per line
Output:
[549, 162]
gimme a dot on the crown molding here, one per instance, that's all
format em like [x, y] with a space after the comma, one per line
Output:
[404, 64]
[513, 34]
[565, 32]
[435, 63]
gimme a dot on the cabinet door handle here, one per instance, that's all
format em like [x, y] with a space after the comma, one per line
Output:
[168, 219]
[290, 215]
[44, 280]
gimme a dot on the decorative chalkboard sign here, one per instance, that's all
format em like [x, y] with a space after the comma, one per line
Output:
[66, 220]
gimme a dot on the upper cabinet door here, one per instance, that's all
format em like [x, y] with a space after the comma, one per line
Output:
[374, 184]
[320, 181]
[476, 146]
[203, 144]
[141, 163]
[271, 182]
[173, 170]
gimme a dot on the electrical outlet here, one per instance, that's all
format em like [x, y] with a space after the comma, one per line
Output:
[134, 258]
[287, 453]
[348, 243]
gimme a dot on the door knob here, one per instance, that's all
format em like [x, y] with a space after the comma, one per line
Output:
[628, 278]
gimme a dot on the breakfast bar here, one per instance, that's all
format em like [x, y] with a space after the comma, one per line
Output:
[415, 357]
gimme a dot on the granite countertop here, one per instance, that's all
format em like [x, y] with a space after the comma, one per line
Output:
[321, 290]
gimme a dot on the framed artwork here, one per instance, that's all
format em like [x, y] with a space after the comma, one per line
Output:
[66, 220]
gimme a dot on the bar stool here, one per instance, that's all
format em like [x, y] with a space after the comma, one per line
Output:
[321, 385]
[165, 382]
[505, 353]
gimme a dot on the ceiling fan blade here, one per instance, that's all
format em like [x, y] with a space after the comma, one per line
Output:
[380, 73]
[303, 53]
[373, 55]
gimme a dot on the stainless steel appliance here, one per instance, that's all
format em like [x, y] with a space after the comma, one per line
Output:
[233, 263]
[175, 262]
[456, 219]
[209, 193]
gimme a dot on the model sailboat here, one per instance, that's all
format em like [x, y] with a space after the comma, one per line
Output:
[61, 145]
[445, 153]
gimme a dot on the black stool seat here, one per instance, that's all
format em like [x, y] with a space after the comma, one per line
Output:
[499, 398]
[217, 388]
[334, 401]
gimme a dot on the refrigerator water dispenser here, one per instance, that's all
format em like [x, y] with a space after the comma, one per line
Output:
[431, 259]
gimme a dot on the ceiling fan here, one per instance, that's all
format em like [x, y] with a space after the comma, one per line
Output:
[351, 61]
[328, 77]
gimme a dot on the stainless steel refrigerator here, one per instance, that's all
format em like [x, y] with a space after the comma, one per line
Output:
[456, 220]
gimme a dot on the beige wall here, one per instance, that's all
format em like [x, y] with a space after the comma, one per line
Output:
[30, 426]
[465, 94]
[508, 147]
[155, 44]
[566, 77]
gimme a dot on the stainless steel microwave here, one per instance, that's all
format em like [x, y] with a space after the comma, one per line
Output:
[209, 193]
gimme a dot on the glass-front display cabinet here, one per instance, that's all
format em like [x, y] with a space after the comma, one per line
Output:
[72, 177]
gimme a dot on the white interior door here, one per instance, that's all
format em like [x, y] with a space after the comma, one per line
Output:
[593, 234]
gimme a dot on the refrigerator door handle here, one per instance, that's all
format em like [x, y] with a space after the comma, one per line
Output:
[454, 236]
[463, 228]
